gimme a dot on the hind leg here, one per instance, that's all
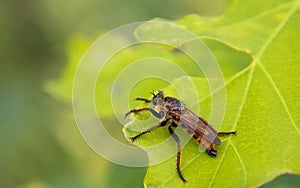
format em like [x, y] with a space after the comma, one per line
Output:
[226, 133]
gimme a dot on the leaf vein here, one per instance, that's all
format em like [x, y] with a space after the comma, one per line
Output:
[234, 77]
[280, 96]
[218, 167]
[277, 30]
[257, 16]
[244, 98]
[185, 166]
[241, 161]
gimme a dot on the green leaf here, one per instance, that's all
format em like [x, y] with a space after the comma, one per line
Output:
[112, 78]
[262, 101]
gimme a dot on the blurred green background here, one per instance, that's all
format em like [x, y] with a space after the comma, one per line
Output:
[40, 143]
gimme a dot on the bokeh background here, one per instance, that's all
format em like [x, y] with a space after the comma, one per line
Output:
[39, 141]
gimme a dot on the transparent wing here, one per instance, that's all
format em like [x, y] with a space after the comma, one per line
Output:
[197, 124]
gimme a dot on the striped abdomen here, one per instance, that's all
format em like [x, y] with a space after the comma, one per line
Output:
[198, 138]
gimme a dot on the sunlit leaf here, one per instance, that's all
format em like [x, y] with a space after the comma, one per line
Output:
[262, 101]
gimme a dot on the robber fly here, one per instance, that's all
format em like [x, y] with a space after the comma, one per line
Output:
[173, 113]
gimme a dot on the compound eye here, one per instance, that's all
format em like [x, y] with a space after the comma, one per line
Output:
[154, 101]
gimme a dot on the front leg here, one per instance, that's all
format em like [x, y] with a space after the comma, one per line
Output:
[161, 124]
[152, 111]
[142, 99]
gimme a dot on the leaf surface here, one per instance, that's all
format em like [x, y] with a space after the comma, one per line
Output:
[262, 101]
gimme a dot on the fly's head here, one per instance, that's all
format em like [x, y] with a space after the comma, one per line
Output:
[157, 98]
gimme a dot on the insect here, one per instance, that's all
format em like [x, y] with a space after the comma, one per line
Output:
[173, 113]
